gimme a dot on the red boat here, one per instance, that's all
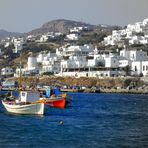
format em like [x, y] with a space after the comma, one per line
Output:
[56, 99]
[56, 102]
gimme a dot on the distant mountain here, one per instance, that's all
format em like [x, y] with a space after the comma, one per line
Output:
[4, 33]
[62, 25]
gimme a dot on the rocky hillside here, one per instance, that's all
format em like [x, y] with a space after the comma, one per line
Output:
[4, 33]
[62, 25]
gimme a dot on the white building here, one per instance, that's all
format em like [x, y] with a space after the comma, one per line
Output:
[140, 67]
[17, 47]
[54, 67]
[7, 71]
[79, 29]
[73, 37]
[111, 62]
[40, 57]
[18, 44]
[74, 62]
[7, 44]
[44, 38]
[123, 62]
[88, 72]
[78, 50]
[49, 62]
[134, 55]
[134, 33]
[31, 69]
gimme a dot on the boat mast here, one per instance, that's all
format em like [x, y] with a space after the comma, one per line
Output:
[20, 74]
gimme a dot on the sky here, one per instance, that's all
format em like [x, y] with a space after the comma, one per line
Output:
[26, 15]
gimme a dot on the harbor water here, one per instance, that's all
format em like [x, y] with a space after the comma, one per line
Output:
[92, 121]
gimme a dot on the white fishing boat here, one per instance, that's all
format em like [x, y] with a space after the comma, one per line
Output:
[28, 103]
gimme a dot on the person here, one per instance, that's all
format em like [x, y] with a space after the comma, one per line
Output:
[41, 94]
[10, 96]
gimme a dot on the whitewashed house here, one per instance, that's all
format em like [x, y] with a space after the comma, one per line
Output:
[49, 62]
[138, 40]
[79, 29]
[90, 65]
[7, 44]
[133, 32]
[74, 62]
[123, 62]
[40, 57]
[134, 55]
[31, 69]
[53, 67]
[111, 62]
[74, 30]
[44, 38]
[7, 71]
[78, 50]
[18, 44]
[17, 47]
[72, 36]
[140, 67]
[139, 27]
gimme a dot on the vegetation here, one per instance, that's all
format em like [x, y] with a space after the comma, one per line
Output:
[58, 39]
[127, 70]
[38, 47]
[48, 73]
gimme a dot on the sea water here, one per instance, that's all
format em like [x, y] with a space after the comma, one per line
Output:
[91, 121]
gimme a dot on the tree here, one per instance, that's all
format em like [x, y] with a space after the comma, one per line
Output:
[127, 70]
[141, 74]
[100, 64]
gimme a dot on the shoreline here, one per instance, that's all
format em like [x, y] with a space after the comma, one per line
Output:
[90, 90]
[125, 91]
[122, 91]
[127, 85]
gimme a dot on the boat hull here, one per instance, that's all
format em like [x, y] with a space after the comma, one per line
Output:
[58, 103]
[37, 108]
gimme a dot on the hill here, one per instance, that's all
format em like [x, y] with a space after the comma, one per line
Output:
[63, 26]
[4, 33]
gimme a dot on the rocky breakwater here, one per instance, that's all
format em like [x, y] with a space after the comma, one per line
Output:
[85, 84]
[125, 90]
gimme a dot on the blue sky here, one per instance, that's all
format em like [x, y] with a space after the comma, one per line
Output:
[25, 15]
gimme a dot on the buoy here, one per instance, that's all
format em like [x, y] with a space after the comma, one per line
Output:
[61, 122]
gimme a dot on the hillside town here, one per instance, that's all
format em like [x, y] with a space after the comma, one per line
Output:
[86, 60]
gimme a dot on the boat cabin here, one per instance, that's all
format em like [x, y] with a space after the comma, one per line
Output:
[29, 96]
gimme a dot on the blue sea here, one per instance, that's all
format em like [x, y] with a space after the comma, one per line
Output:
[91, 121]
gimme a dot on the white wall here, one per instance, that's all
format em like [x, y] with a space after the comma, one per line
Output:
[32, 62]
[145, 68]
[124, 63]
[6, 71]
[90, 74]
[111, 62]
[136, 67]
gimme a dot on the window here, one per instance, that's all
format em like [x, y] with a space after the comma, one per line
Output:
[146, 68]
[143, 68]
[23, 94]
[135, 68]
